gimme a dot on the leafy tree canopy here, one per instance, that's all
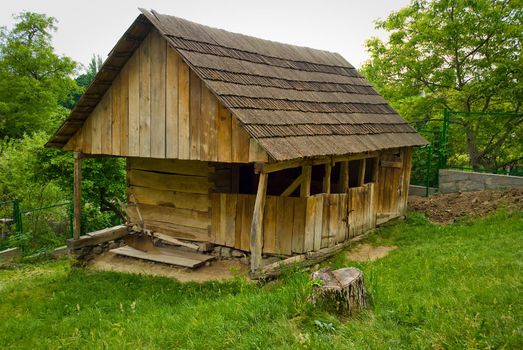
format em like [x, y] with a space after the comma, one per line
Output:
[462, 55]
[35, 83]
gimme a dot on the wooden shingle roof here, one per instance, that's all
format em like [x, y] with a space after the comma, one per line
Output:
[295, 101]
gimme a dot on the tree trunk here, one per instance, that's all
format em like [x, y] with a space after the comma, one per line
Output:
[341, 291]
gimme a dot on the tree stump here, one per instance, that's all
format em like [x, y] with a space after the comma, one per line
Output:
[341, 290]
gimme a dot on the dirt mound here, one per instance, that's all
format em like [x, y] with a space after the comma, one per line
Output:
[446, 208]
[366, 252]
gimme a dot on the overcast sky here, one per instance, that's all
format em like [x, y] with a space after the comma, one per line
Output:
[93, 26]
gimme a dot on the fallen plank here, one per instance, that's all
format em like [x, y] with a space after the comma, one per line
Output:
[171, 258]
[304, 260]
[97, 237]
[10, 254]
[175, 241]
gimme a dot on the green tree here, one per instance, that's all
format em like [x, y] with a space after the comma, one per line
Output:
[461, 55]
[35, 83]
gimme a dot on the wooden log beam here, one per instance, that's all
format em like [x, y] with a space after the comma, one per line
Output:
[304, 260]
[305, 189]
[261, 167]
[327, 178]
[361, 174]
[256, 240]
[97, 237]
[77, 195]
[344, 177]
[293, 186]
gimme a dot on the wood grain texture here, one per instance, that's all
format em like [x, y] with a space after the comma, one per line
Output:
[134, 105]
[171, 104]
[145, 98]
[158, 62]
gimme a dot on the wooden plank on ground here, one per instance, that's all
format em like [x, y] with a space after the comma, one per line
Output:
[157, 257]
[97, 237]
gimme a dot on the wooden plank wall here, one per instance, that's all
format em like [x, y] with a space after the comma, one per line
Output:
[389, 184]
[361, 209]
[158, 107]
[283, 222]
[172, 196]
[326, 222]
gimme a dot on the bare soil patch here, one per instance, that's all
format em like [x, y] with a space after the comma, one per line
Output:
[366, 252]
[446, 208]
[219, 270]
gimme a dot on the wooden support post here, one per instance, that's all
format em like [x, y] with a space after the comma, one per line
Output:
[257, 224]
[305, 189]
[361, 175]
[327, 178]
[77, 197]
[344, 176]
[376, 169]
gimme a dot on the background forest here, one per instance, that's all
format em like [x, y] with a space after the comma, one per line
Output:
[456, 55]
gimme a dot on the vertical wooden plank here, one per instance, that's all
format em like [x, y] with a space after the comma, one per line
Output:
[239, 142]
[223, 138]
[77, 199]
[145, 98]
[124, 111]
[215, 218]
[96, 127]
[269, 224]
[240, 203]
[209, 119]
[257, 224]
[106, 140]
[344, 177]
[116, 114]
[158, 62]
[326, 218]
[308, 239]
[318, 222]
[184, 128]
[305, 187]
[246, 223]
[87, 136]
[334, 219]
[298, 228]
[288, 221]
[171, 104]
[230, 216]
[134, 104]
[361, 174]
[327, 178]
[222, 238]
[195, 120]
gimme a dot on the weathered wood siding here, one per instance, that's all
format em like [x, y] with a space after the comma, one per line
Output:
[158, 107]
[392, 185]
[172, 196]
[283, 222]
[361, 209]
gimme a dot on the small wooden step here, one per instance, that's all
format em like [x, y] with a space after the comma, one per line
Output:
[166, 256]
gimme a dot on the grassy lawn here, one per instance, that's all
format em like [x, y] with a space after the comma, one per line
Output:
[457, 286]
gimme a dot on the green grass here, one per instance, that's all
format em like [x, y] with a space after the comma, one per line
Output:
[456, 286]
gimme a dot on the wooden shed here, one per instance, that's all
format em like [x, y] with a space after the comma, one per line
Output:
[269, 148]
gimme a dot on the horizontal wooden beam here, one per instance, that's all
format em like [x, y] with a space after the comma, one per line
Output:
[277, 166]
[97, 237]
[304, 260]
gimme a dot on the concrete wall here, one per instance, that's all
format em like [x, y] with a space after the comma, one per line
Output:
[465, 181]
[421, 191]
